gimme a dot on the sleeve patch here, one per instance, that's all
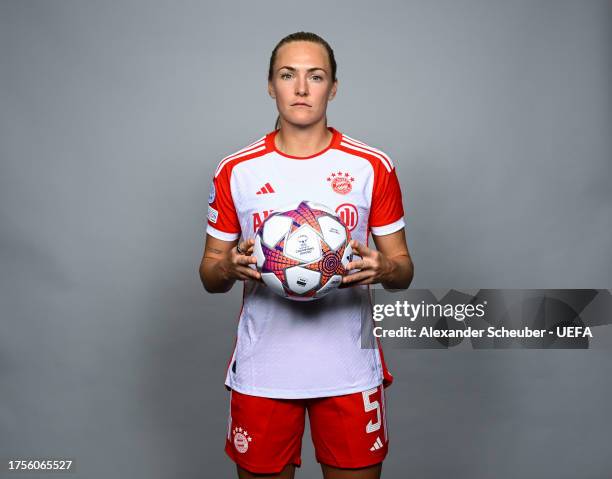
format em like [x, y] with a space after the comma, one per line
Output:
[213, 214]
[211, 195]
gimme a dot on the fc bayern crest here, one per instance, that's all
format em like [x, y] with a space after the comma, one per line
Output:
[241, 439]
[341, 182]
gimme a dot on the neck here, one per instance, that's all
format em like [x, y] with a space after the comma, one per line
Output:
[297, 140]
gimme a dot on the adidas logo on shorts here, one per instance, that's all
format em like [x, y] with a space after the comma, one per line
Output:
[377, 444]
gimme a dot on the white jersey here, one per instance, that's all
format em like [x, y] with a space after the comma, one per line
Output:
[290, 349]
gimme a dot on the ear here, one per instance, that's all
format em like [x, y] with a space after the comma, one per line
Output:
[334, 90]
[271, 90]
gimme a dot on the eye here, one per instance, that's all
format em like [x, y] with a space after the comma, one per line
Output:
[317, 77]
[285, 75]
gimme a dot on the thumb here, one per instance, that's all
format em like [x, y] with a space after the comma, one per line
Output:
[242, 247]
[361, 249]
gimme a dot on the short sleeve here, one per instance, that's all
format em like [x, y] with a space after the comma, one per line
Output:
[223, 221]
[386, 210]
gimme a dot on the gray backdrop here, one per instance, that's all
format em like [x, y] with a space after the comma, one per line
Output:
[113, 116]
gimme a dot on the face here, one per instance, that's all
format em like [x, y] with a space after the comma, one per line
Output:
[302, 82]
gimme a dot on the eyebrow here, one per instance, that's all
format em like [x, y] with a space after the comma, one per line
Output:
[309, 70]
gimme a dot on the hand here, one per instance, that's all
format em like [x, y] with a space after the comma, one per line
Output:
[374, 267]
[236, 265]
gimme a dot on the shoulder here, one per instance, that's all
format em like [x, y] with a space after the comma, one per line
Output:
[377, 157]
[254, 149]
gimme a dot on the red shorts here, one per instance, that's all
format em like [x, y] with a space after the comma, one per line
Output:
[265, 434]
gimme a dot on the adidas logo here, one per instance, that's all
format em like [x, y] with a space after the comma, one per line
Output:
[267, 188]
[377, 444]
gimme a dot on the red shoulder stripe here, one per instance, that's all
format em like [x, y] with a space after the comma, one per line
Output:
[362, 147]
[257, 150]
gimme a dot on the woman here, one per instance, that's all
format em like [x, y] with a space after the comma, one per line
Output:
[291, 356]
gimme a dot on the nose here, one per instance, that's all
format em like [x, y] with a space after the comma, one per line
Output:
[301, 86]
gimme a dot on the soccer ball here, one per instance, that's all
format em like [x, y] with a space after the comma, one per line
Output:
[302, 251]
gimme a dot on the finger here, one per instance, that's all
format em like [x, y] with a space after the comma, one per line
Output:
[358, 264]
[245, 260]
[242, 277]
[361, 249]
[343, 285]
[247, 247]
[355, 277]
[354, 282]
[241, 247]
[356, 246]
[244, 272]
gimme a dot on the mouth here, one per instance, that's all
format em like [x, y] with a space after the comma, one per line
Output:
[300, 104]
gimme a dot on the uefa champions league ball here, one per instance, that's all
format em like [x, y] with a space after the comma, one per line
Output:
[302, 251]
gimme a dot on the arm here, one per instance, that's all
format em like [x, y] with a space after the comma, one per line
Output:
[395, 249]
[390, 264]
[222, 265]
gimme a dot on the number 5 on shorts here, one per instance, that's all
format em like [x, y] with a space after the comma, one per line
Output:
[371, 406]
